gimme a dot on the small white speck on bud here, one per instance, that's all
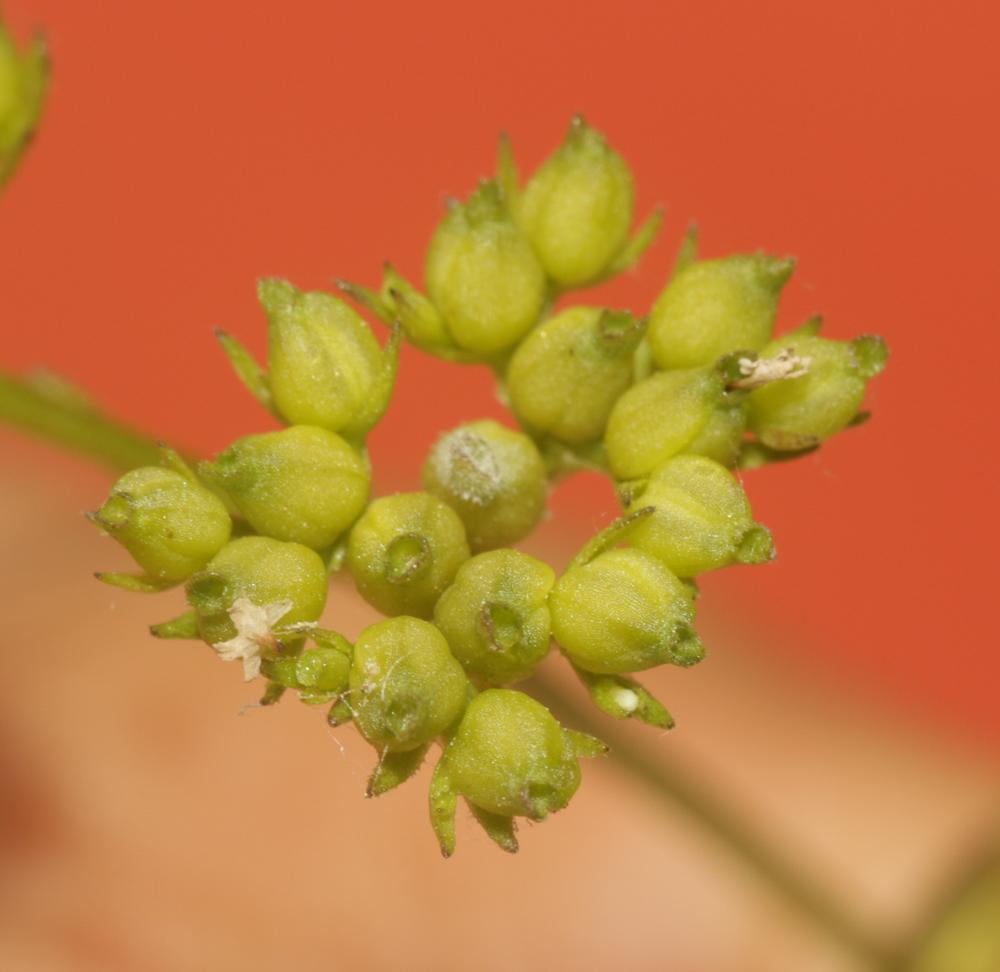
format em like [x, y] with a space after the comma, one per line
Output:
[626, 699]
[762, 371]
[255, 633]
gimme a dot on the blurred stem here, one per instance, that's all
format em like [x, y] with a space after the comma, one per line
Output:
[49, 408]
[675, 787]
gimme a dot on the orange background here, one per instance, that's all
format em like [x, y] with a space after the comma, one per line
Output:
[190, 147]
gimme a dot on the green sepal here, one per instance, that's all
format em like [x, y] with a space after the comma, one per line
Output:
[340, 714]
[137, 583]
[585, 745]
[172, 459]
[369, 299]
[638, 243]
[247, 370]
[394, 769]
[183, 626]
[273, 694]
[443, 804]
[501, 830]
[808, 328]
[754, 454]
[385, 380]
[610, 535]
[687, 252]
[622, 697]
[28, 74]
[507, 175]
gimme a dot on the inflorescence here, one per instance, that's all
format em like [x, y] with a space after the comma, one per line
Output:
[667, 405]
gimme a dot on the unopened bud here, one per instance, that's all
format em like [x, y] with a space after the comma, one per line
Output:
[263, 572]
[801, 412]
[404, 551]
[303, 484]
[577, 208]
[623, 612]
[493, 478]
[169, 523]
[495, 615]
[406, 687]
[509, 758]
[712, 307]
[567, 374]
[326, 368]
[482, 275]
[661, 416]
[701, 518]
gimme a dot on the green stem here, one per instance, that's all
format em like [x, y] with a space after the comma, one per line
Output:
[50, 409]
[675, 787]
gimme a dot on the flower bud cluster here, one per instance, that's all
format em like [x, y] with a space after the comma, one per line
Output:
[668, 404]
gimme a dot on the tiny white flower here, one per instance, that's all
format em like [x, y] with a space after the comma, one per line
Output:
[254, 633]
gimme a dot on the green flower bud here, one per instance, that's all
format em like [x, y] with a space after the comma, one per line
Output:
[23, 80]
[319, 675]
[406, 687]
[661, 416]
[701, 519]
[712, 307]
[404, 552]
[303, 484]
[326, 368]
[285, 580]
[801, 412]
[623, 612]
[495, 616]
[577, 208]
[508, 758]
[482, 275]
[169, 523]
[493, 478]
[567, 374]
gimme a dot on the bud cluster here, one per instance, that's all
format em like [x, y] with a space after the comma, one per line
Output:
[667, 403]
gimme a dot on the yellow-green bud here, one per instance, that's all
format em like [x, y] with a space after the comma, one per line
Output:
[302, 484]
[797, 413]
[661, 416]
[495, 615]
[325, 366]
[404, 552]
[319, 675]
[483, 276]
[23, 79]
[701, 519]
[623, 612]
[493, 478]
[406, 687]
[169, 523]
[567, 374]
[508, 758]
[266, 573]
[577, 208]
[715, 306]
